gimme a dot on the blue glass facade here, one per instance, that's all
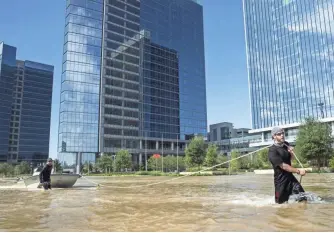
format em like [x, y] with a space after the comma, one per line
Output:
[7, 79]
[121, 95]
[25, 113]
[160, 92]
[178, 25]
[290, 45]
[129, 73]
[35, 117]
[80, 85]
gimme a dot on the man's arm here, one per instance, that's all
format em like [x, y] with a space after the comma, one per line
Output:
[277, 161]
[289, 168]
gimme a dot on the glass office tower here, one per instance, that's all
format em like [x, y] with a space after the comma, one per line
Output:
[32, 100]
[7, 78]
[25, 113]
[290, 47]
[178, 25]
[80, 87]
[161, 115]
[133, 77]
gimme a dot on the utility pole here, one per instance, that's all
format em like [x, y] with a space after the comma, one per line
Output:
[162, 154]
[145, 150]
[177, 153]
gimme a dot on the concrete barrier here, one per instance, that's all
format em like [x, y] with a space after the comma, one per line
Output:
[189, 173]
[271, 171]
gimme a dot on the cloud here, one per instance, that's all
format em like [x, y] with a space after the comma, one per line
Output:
[316, 21]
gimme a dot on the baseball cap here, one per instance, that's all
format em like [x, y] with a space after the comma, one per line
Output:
[276, 130]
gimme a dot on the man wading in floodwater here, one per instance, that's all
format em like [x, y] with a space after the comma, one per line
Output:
[45, 175]
[280, 157]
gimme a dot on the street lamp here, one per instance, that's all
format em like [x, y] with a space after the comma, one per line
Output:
[229, 157]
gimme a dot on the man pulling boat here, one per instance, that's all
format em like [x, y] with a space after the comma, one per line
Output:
[45, 175]
[280, 156]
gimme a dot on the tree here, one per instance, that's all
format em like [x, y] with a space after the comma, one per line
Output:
[17, 170]
[95, 167]
[331, 163]
[6, 169]
[211, 155]
[87, 167]
[314, 142]
[222, 159]
[123, 160]
[255, 163]
[170, 163]
[22, 168]
[105, 163]
[179, 162]
[195, 153]
[235, 164]
[154, 164]
[245, 162]
[262, 158]
[57, 166]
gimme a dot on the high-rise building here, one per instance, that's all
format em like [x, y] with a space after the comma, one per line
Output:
[289, 46]
[133, 78]
[7, 78]
[25, 113]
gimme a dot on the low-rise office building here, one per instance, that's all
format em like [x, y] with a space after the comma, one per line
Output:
[228, 138]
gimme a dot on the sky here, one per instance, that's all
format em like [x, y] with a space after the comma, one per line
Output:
[36, 28]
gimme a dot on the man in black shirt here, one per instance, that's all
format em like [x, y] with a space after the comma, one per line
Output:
[45, 175]
[280, 156]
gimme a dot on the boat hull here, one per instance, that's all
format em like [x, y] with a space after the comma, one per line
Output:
[57, 180]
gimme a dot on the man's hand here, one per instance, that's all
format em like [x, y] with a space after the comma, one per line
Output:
[302, 172]
[290, 149]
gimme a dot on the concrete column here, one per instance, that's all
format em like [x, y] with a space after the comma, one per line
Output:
[157, 145]
[262, 136]
[140, 144]
[140, 159]
[172, 145]
[78, 162]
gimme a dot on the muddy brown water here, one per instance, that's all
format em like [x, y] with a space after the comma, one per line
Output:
[220, 203]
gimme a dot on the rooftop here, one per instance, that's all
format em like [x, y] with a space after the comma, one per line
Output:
[197, 1]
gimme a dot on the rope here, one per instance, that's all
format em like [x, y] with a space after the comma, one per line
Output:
[165, 181]
[300, 181]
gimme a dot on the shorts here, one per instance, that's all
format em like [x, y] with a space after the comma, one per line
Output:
[284, 190]
[46, 185]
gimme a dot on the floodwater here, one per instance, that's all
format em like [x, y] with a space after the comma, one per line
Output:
[202, 203]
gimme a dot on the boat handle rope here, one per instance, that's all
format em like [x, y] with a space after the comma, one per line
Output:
[176, 178]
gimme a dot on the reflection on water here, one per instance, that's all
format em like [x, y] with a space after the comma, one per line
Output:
[221, 203]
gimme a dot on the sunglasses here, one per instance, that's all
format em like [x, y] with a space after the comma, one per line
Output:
[280, 134]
